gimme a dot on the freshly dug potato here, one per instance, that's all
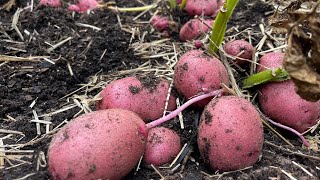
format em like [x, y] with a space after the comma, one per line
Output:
[230, 134]
[194, 28]
[162, 147]
[104, 144]
[270, 60]
[280, 102]
[239, 48]
[145, 96]
[195, 71]
[159, 22]
[203, 7]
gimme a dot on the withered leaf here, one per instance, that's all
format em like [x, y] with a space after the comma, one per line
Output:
[302, 60]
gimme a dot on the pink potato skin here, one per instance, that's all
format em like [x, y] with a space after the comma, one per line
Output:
[195, 71]
[129, 93]
[104, 144]
[193, 28]
[202, 7]
[163, 145]
[161, 23]
[230, 134]
[236, 47]
[84, 5]
[51, 3]
[271, 60]
[280, 102]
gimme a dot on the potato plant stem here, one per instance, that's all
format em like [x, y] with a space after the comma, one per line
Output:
[278, 74]
[183, 107]
[220, 25]
[304, 141]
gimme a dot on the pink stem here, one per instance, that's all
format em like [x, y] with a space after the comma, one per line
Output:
[183, 107]
[304, 141]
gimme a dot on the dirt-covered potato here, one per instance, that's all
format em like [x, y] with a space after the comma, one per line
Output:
[104, 144]
[280, 102]
[145, 96]
[239, 48]
[194, 28]
[203, 7]
[162, 147]
[196, 71]
[230, 134]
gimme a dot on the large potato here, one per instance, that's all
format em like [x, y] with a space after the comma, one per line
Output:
[104, 144]
[280, 102]
[145, 96]
[195, 71]
[230, 134]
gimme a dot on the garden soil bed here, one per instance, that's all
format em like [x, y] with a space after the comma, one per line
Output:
[37, 86]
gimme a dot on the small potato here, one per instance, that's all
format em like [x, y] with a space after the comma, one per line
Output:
[239, 48]
[271, 60]
[161, 23]
[196, 71]
[230, 134]
[51, 3]
[145, 96]
[104, 144]
[194, 28]
[162, 147]
[202, 7]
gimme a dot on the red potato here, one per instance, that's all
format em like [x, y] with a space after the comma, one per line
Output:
[198, 44]
[203, 7]
[280, 102]
[196, 71]
[163, 145]
[51, 3]
[230, 134]
[159, 22]
[84, 5]
[142, 95]
[194, 28]
[270, 60]
[239, 48]
[104, 144]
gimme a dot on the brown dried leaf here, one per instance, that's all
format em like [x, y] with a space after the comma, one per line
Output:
[302, 60]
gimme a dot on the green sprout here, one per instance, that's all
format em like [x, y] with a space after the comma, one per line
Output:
[220, 25]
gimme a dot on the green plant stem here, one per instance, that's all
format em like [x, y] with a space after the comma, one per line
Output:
[278, 74]
[183, 4]
[220, 25]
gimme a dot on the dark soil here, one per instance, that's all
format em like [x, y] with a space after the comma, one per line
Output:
[23, 82]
